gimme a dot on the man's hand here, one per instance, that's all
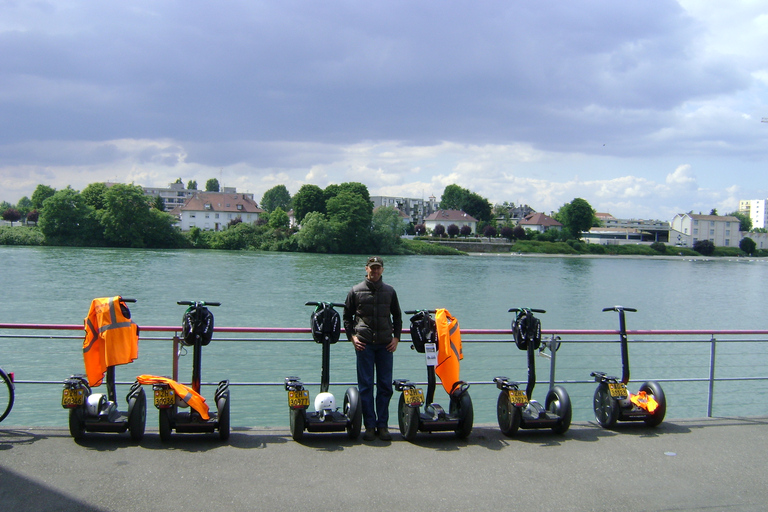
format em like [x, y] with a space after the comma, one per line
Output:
[359, 345]
[392, 346]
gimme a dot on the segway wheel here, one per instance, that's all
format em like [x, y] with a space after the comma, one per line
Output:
[223, 416]
[77, 423]
[656, 417]
[407, 419]
[353, 412]
[461, 408]
[606, 407]
[165, 424]
[508, 415]
[298, 420]
[558, 403]
[137, 415]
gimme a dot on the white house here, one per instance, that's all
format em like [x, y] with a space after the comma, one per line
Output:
[215, 210]
[539, 222]
[688, 228]
[448, 217]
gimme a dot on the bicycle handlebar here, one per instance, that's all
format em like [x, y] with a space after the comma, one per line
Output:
[414, 311]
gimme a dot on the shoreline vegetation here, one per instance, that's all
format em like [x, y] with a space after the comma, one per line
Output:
[435, 246]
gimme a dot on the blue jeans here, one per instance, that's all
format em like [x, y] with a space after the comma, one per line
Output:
[375, 357]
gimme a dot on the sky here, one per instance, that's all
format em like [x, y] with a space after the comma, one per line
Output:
[644, 109]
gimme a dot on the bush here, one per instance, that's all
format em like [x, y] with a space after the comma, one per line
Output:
[20, 235]
[704, 247]
[659, 247]
[747, 245]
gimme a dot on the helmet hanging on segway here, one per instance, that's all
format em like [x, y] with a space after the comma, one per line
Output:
[423, 330]
[197, 326]
[526, 330]
[325, 323]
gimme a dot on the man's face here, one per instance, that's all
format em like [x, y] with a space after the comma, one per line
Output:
[374, 272]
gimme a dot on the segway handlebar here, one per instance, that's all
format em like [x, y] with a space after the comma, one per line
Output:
[515, 310]
[317, 303]
[414, 311]
[620, 308]
[199, 302]
[124, 299]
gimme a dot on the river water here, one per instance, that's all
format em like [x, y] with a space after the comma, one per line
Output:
[263, 289]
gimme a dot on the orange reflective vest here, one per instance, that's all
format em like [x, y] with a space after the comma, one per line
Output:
[185, 393]
[448, 349]
[111, 338]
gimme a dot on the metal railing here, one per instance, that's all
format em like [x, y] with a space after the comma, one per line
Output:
[710, 338]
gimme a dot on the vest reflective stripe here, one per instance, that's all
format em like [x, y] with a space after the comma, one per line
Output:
[449, 351]
[111, 338]
[188, 395]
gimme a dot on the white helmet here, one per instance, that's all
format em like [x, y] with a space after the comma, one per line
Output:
[325, 401]
[94, 403]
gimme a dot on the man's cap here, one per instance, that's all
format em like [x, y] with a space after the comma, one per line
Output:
[374, 260]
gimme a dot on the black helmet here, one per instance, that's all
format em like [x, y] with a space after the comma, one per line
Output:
[526, 329]
[325, 323]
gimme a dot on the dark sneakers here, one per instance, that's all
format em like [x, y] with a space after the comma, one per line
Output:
[370, 434]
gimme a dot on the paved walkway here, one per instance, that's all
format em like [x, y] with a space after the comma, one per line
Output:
[709, 464]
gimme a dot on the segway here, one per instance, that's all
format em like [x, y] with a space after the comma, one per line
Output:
[197, 332]
[612, 401]
[98, 412]
[326, 328]
[433, 418]
[515, 408]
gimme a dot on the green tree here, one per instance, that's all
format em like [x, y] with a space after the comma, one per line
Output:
[713, 211]
[745, 223]
[158, 203]
[126, 216]
[276, 197]
[212, 185]
[94, 195]
[350, 215]
[316, 234]
[577, 216]
[386, 228]
[308, 199]
[66, 219]
[457, 198]
[278, 219]
[41, 193]
[353, 187]
[24, 206]
[704, 247]
[191, 185]
[747, 245]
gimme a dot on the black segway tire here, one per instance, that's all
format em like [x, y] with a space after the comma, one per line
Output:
[508, 415]
[461, 408]
[164, 424]
[77, 423]
[559, 403]
[605, 406]
[656, 417]
[353, 412]
[407, 419]
[137, 415]
[223, 416]
[298, 421]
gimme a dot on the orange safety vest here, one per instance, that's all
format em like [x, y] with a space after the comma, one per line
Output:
[111, 338]
[448, 349]
[185, 393]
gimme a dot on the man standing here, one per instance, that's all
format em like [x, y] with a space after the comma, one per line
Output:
[373, 323]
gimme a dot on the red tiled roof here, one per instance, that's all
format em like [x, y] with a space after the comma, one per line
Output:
[539, 219]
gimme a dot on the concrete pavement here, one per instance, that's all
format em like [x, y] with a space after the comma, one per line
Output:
[704, 464]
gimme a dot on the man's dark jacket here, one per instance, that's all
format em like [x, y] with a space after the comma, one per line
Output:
[372, 312]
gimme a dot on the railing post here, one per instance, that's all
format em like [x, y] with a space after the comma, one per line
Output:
[712, 344]
[553, 346]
